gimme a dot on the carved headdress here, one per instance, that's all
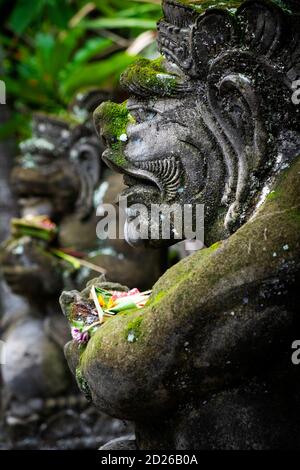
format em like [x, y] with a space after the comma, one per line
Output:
[195, 35]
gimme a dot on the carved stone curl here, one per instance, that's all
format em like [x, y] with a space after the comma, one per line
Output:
[211, 122]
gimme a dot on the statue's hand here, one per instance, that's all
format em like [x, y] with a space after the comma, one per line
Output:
[70, 300]
[78, 306]
[102, 283]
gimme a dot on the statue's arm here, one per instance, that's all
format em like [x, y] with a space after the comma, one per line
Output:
[213, 314]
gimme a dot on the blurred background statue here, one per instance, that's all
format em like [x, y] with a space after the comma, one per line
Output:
[59, 182]
[48, 53]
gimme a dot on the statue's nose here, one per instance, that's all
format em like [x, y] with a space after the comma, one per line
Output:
[99, 119]
[111, 121]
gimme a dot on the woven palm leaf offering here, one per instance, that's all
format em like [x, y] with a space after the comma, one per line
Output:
[88, 314]
[44, 229]
[40, 227]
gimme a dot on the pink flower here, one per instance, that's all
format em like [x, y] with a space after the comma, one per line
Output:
[118, 295]
[81, 337]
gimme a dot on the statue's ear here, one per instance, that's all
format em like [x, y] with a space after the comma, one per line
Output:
[236, 106]
[249, 92]
[85, 155]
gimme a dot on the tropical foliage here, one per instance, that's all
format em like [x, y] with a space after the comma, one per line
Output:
[51, 49]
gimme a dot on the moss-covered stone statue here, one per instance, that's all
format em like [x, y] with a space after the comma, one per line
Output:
[206, 364]
[59, 175]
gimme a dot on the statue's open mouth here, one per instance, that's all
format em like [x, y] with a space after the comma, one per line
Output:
[161, 175]
[133, 174]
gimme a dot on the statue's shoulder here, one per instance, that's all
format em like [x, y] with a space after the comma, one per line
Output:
[280, 196]
[264, 248]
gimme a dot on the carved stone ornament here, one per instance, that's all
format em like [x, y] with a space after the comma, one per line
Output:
[213, 122]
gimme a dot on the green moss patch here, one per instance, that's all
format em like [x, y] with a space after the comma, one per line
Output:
[115, 119]
[150, 75]
[83, 385]
[133, 330]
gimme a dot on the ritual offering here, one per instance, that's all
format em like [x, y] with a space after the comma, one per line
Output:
[42, 228]
[39, 226]
[102, 304]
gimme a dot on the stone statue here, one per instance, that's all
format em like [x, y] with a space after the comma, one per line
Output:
[59, 174]
[213, 121]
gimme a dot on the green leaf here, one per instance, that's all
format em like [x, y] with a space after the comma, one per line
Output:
[65, 46]
[78, 324]
[140, 10]
[103, 292]
[45, 44]
[95, 74]
[119, 23]
[24, 13]
[59, 13]
[91, 48]
[125, 305]
[17, 124]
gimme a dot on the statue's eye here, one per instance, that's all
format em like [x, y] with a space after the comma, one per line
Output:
[143, 114]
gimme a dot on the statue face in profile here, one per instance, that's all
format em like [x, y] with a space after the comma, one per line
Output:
[200, 126]
[163, 162]
[58, 169]
[56, 175]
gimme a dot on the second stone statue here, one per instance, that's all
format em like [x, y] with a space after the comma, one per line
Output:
[59, 176]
